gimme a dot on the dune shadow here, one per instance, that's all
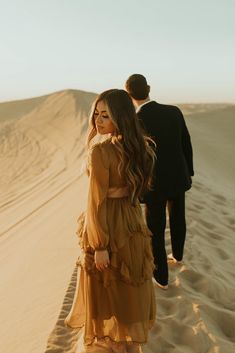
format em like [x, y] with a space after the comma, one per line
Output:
[63, 339]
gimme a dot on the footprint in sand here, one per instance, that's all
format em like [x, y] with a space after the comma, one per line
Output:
[207, 225]
[222, 254]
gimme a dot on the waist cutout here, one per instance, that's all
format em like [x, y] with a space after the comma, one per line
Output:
[117, 192]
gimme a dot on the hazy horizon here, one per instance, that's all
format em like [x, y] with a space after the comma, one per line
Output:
[184, 49]
[77, 89]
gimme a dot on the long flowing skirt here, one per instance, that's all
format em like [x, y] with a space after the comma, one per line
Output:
[117, 303]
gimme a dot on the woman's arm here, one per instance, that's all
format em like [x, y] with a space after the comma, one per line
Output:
[97, 227]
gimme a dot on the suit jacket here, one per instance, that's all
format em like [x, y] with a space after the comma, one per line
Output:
[174, 165]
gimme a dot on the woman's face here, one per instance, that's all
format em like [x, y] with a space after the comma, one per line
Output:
[103, 123]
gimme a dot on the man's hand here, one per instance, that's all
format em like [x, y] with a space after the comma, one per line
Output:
[101, 259]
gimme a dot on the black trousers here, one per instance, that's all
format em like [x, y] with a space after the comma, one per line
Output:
[156, 220]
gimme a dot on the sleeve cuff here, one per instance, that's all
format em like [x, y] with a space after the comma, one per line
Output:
[100, 248]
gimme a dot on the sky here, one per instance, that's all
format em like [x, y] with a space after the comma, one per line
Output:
[185, 48]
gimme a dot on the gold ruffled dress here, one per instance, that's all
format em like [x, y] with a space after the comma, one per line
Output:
[117, 303]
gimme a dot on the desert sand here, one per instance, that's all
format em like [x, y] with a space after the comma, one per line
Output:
[43, 190]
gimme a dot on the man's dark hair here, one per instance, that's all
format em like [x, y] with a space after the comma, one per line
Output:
[137, 87]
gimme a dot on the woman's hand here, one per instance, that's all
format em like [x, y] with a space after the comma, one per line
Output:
[101, 259]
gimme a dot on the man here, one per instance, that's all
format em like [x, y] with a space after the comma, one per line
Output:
[172, 175]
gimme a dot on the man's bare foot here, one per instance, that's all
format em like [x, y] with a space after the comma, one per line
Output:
[171, 259]
[165, 287]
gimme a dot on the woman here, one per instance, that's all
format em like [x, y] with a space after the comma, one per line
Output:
[115, 297]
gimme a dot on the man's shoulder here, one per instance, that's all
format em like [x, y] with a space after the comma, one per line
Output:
[161, 108]
[169, 107]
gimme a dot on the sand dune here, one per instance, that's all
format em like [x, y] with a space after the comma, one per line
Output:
[213, 136]
[43, 191]
[41, 154]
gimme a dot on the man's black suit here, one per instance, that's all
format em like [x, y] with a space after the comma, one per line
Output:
[172, 177]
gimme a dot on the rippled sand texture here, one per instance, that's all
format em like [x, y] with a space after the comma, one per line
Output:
[43, 191]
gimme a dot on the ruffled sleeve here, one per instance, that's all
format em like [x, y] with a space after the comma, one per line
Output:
[97, 228]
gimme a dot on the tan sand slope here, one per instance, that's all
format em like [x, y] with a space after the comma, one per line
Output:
[43, 191]
[213, 138]
[40, 151]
